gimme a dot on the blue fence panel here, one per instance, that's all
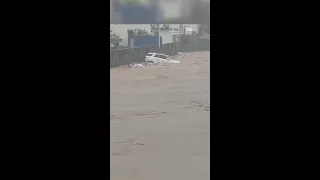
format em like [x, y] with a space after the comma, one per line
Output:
[144, 41]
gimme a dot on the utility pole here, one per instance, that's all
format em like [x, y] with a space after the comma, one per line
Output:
[159, 35]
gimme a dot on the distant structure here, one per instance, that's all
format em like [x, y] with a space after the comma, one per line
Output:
[167, 31]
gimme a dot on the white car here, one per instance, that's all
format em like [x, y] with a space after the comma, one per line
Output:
[159, 58]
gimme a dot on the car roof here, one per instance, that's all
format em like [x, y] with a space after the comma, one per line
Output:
[158, 54]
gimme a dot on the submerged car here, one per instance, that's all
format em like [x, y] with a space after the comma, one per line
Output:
[159, 58]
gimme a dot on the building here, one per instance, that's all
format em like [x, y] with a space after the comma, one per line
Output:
[166, 31]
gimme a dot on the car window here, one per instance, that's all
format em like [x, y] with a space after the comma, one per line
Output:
[160, 56]
[149, 54]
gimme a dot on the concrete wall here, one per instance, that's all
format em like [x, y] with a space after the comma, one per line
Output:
[128, 56]
[197, 45]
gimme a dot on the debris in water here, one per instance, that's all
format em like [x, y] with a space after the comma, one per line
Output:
[140, 65]
[151, 63]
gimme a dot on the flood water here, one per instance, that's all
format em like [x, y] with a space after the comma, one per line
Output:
[160, 120]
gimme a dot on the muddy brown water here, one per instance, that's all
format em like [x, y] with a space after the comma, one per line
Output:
[160, 120]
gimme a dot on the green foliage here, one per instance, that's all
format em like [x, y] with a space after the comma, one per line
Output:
[163, 26]
[141, 32]
[205, 28]
[114, 39]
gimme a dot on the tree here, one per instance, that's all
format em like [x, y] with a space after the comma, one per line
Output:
[114, 39]
[204, 28]
[141, 32]
[165, 26]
